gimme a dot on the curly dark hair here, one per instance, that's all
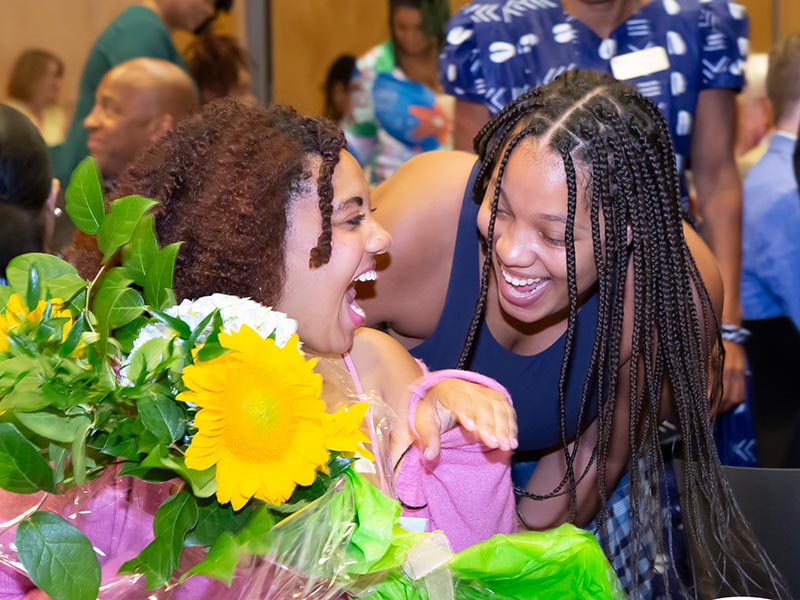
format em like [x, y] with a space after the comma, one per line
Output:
[619, 144]
[225, 179]
[215, 62]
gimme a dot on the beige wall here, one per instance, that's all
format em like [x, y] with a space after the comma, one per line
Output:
[67, 28]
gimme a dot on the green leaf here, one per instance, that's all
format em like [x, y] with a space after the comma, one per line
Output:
[65, 286]
[58, 456]
[115, 278]
[127, 334]
[179, 325]
[120, 223]
[214, 317]
[116, 306]
[73, 337]
[173, 521]
[140, 251]
[32, 291]
[154, 562]
[58, 558]
[121, 442]
[163, 417]
[253, 539]
[220, 562]
[17, 366]
[26, 396]
[79, 455]
[22, 468]
[213, 519]
[5, 294]
[158, 280]
[48, 266]
[85, 197]
[57, 428]
[203, 482]
[210, 352]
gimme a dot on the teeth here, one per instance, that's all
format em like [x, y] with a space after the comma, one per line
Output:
[367, 276]
[358, 310]
[520, 282]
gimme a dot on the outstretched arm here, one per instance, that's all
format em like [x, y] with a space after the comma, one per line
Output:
[385, 366]
[469, 118]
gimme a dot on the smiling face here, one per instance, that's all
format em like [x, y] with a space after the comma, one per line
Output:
[529, 262]
[323, 299]
[120, 124]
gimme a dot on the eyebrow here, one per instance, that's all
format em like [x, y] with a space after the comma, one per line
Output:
[342, 206]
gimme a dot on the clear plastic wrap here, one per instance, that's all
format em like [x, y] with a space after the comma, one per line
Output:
[350, 543]
[115, 513]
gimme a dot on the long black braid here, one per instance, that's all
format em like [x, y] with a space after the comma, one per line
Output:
[618, 142]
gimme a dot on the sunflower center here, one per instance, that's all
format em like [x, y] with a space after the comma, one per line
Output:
[260, 428]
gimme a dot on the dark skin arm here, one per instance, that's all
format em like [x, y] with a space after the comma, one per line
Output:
[469, 118]
[719, 202]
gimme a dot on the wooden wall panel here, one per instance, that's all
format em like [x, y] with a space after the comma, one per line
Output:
[789, 17]
[760, 12]
[67, 28]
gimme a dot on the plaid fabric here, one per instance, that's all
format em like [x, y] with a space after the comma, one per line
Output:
[637, 571]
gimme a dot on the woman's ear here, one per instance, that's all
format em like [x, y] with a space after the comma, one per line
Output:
[49, 215]
[628, 235]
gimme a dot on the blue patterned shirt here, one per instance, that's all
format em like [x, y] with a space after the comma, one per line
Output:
[497, 49]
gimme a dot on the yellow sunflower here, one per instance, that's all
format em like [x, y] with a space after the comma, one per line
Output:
[261, 419]
[343, 430]
[17, 315]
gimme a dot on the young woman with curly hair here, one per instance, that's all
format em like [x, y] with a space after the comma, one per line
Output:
[269, 205]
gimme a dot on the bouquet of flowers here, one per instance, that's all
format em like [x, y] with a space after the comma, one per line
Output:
[150, 444]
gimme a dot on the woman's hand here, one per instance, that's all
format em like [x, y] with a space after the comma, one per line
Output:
[484, 411]
[733, 377]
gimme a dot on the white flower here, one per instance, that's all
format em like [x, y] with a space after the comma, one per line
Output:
[234, 312]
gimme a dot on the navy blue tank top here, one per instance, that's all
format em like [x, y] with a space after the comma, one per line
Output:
[531, 380]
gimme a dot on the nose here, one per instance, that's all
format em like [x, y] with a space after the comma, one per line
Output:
[378, 240]
[90, 122]
[515, 248]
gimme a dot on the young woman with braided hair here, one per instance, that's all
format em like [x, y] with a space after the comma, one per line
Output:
[585, 295]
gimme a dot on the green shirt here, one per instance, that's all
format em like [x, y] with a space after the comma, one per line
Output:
[137, 32]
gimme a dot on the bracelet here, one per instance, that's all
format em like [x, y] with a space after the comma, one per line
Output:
[734, 333]
[430, 379]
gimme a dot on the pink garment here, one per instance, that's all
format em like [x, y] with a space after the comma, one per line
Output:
[466, 491]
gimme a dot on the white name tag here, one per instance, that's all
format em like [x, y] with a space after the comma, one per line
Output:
[639, 63]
